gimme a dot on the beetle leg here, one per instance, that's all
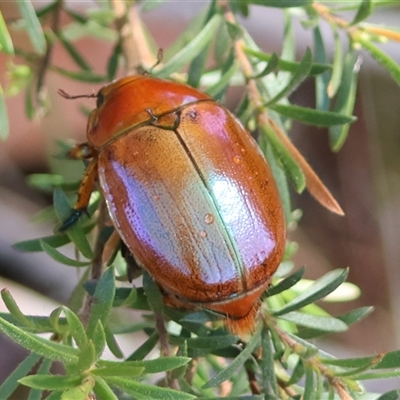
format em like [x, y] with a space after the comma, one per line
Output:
[84, 193]
[82, 151]
[134, 270]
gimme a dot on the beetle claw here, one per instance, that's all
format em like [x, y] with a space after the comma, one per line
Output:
[73, 218]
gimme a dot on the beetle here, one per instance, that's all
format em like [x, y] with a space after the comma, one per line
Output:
[189, 192]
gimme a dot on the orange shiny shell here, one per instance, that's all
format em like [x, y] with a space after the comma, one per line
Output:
[190, 194]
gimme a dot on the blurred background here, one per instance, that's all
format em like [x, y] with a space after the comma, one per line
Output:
[363, 176]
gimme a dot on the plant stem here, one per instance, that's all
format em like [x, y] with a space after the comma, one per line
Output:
[325, 13]
[97, 262]
[132, 38]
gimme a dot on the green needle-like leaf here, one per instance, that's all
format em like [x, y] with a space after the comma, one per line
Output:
[319, 289]
[4, 123]
[80, 392]
[280, 177]
[103, 298]
[267, 365]
[51, 382]
[102, 390]
[44, 369]
[86, 357]
[223, 82]
[209, 342]
[6, 44]
[61, 258]
[285, 65]
[298, 372]
[55, 395]
[113, 62]
[355, 315]
[301, 73]
[119, 370]
[392, 395]
[39, 345]
[38, 324]
[324, 323]
[352, 372]
[153, 293]
[15, 311]
[33, 26]
[363, 12]
[312, 116]
[12, 381]
[189, 52]
[143, 391]
[389, 360]
[151, 366]
[76, 327]
[228, 371]
[322, 80]
[33, 245]
[143, 350]
[197, 66]
[345, 100]
[337, 69]
[348, 318]
[73, 53]
[289, 165]
[112, 343]
[310, 388]
[308, 350]
[270, 67]
[286, 283]
[99, 340]
[376, 375]
[387, 62]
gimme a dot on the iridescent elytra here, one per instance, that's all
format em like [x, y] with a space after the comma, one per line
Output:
[189, 192]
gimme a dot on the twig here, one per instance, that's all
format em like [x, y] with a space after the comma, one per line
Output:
[286, 389]
[44, 62]
[97, 262]
[132, 38]
[254, 386]
[325, 13]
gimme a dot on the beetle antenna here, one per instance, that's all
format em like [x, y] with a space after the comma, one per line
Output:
[68, 96]
[160, 56]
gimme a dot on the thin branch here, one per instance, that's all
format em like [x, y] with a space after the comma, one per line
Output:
[97, 262]
[254, 386]
[43, 63]
[327, 15]
[132, 38]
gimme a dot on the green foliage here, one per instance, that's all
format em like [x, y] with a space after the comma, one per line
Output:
[279, 360]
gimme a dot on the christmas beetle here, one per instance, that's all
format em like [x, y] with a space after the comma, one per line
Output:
[189, 192]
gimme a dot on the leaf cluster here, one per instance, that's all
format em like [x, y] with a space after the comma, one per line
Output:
[199, 358]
